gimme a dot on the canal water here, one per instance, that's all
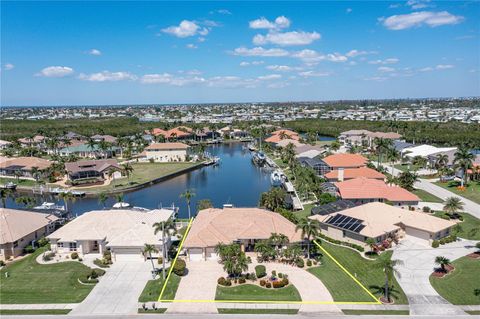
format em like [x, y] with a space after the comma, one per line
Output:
[235, 181]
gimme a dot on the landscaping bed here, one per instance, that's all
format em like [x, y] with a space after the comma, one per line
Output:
[256, 293]
[439, 273]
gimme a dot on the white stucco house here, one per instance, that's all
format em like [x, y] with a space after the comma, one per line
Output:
[167, 152]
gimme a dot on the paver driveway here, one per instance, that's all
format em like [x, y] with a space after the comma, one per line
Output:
[418, 264]
[118, 290]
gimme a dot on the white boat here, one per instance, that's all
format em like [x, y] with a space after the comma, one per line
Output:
[121, 205]
[276, 178]
[77, 193]
[259, 158]
[49, 206]
[10, 185]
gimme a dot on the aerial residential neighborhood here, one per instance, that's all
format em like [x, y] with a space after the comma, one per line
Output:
[222, 159]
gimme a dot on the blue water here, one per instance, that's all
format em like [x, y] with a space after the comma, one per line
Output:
[235, 181]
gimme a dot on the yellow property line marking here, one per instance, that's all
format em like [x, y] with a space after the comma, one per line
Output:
[175, 259]
[347, 272]
[376, 302]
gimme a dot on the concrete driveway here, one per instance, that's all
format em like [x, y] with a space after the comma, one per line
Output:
[418, 264]
[118, 290]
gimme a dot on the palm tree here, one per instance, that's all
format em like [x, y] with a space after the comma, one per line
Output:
[392, 156]
[453, 205]
[442, 262]
[441, 163]
[128, 169]
[188, 194]
[104, 147]
[382, 146]
[278, 241]
[165, 228]
[111, 174]
[35, 173]
[371, 243]
[310, 229]
[149, 249]
[407, 179]
[102, 198]
[264, 248]
[5, 193]
[335, 146]
[388, 267]
[91, 144]
[119, 198]
[25, 201]
[67, 197]
[17, 173]
[464, 161]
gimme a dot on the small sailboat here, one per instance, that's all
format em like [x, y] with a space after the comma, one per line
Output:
[120, 205]
[49, 206]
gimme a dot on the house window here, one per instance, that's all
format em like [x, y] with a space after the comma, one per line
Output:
[344, 233]
[15, 243]
[73, 246]
[60, 245]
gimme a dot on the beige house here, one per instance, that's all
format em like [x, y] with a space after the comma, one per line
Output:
[23, 166]
[19, 228]
[123, 232]
[167, 152]
[379, 221]
[240, 225]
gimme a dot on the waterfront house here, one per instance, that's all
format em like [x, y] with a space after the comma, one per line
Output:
[364, 190]
[425, 151]
[335, 162]
[280, 135]
[123, 232]
[365, 137]
[167, 152]
[244, 226]
[4, 144]
[20, 228]
[22, 167]
[343, 174]
[91, 171]
[380, 222]
[84, 150]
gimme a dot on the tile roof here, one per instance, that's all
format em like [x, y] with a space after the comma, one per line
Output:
[366, 188]
[213, 226]
[91, 165]
[349, 173]
[166, 146]
[15, 224]
[345, 160]
[25, 163]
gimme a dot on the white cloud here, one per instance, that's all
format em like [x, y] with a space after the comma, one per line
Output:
[231, 82]
[269, 77]
[426, 69]
[105, 76]
[245, 63]
[185, 29]
[308, 55]
[418, 4]
[280, 22]
[444, 66]
[259, 51]
[191, 46]
[170, 79]
[281, 68]
[55, 72]
[386, 69]
[417, 19]
[224, 11]
[354, 53]
[386, 61]
[308, 74]
[8, 66]
[376, 78]
[287, 38]
[278, 85]
[94, 52]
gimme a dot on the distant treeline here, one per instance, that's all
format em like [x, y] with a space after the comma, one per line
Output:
[451, 133]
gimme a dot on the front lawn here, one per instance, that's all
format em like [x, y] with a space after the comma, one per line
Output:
[258, 311]
[19, 182]
[342, 287]
[256, 293]
[307, 210]
[470, 226]
[152, 289]
[426, 196]
[458, 287]
[30, 282]
[357, 312]
[5, 312]
[472, 190]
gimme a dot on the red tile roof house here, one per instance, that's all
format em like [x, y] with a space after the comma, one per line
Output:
[167, 152]
[364, 190]
[279, 135]
[338, 161]
[343, 174]
[180, 132]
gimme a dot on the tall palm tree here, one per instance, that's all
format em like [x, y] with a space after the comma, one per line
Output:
[442, 262]
[392, 156]
[119, 198]
[128, 169]
[407, 179]
[104, 147]
[5, 193]
[310, 229]
[91, 144]
[464, 161]
[67, 197]
[382, 145]
[35, 173]
[188, 194]
[388, 267]
[111, 174]
[150, 249]
[102, 198]
[371, 243]
[453, 205]
[164, 227]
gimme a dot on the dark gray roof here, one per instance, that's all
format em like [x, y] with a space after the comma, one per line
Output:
[332, 207]
[310, 161]
[400, 145]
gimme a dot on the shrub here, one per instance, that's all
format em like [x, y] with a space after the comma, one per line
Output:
[262, 282]
[285, 281]
[86, 280]
[268, 285]
[221, 281]
[426, 209]
[160, 260]
[300, 263]
[274, 273]
[28, 249]
[435, 244]
[74, 255]
[241, 280]
[442, 241]
[42, 242]
[2, 263]
[280, 275]
[277, 284]
[228, 283]
[309, 263]
[260, 271]
[101, 263]
[98, 272]
[179, 267]
[251, 276]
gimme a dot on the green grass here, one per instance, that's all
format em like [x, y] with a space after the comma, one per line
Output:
[472, 191]
[342, 287]
[258, 311]
[307, 210]
[20, 182]
[404, 168]
[30, 282]
[426, 196]
[253, 292]
[473, 312]
[158, 310]
[458, 286]
[142, 173]
[376, 312]
[5, 312]
[152, 289]
[470, 226]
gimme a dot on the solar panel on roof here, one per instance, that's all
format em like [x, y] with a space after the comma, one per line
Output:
[345, 222]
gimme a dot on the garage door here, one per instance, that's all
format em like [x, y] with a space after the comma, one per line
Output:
[417, 235]
[195, 254]
[127, 251]
[211, 255]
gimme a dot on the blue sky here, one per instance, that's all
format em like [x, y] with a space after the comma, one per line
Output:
[75, 53]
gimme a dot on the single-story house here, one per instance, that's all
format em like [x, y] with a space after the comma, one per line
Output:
[283, 134]
[287, 141]
[123, 232]
[234, 225]
[381, 221]
[424, 151]
[24, 166]
[104, 138]
[20, 228]
[177, 133]
[335, 162]
[167, 152]
[4, 144]
[92, 170]
[401, 145]
[84, 150]
[342, 174]
[332, 207]
[310, 151]
[365, 137]
[364, 190]
[37, 141]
